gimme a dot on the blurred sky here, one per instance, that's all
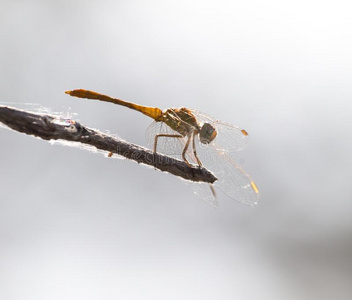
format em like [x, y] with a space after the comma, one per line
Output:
[76, 225]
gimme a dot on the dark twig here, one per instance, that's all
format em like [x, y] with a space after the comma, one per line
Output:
[50, 127]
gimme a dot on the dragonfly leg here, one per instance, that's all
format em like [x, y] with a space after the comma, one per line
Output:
[174, 136]
[185, 150]
[194, 148]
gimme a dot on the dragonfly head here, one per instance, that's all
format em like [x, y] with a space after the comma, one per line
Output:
[207, 133]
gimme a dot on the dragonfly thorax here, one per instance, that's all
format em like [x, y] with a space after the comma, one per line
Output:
[181, 120]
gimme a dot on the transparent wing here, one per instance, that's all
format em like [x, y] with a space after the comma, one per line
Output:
[165, 145]
[229, 137]
[235, 182]
[203, 190]
[232, 179]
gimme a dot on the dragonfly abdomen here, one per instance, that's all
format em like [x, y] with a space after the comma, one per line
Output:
[152, 112]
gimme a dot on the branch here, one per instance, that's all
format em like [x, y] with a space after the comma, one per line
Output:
[50, 127]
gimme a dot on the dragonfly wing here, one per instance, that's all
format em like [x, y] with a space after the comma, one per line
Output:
[204, 191]
[232, 179]
[229, 137]
[166, 145]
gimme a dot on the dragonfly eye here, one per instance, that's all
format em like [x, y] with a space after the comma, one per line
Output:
[207, 133]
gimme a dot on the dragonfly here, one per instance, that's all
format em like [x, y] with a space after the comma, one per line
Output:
[200, 139]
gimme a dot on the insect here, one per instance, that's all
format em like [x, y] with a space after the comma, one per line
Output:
[180, 130]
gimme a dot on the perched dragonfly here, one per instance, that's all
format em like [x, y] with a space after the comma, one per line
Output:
[178, 131]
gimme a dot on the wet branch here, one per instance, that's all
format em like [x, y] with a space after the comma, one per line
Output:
[50, 127]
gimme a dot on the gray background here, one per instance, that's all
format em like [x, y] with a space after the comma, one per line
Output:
[76, 225]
